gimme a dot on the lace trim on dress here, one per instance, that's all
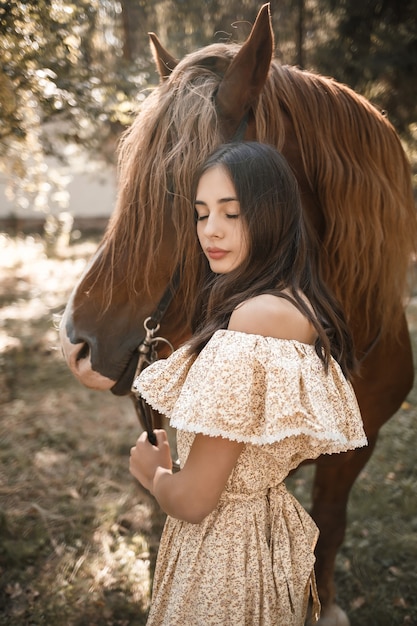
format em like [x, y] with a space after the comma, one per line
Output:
[257, 390]
[337, 440]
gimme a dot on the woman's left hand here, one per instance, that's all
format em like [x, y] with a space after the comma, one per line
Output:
[145, 458]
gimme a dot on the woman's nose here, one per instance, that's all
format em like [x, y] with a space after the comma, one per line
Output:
[212, 227]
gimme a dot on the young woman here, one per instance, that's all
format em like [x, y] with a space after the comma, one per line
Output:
[261, 387]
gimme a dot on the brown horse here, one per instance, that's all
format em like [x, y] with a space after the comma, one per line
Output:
[356, 188]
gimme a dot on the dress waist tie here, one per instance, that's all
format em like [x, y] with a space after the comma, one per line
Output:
[293, 538]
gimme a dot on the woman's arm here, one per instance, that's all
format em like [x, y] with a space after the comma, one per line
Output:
[191, 494]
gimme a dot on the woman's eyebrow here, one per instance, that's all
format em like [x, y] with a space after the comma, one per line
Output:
[219, 201]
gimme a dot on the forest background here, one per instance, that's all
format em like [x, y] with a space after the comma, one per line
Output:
[78, 537]
[77, 72]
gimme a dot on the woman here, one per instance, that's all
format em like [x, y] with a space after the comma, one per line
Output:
[261, 387]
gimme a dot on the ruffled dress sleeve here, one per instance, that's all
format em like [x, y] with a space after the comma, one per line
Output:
[257, 390]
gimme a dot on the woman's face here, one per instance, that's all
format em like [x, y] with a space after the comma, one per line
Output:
[220, 227]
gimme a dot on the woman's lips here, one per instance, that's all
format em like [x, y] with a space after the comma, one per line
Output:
[216, 253]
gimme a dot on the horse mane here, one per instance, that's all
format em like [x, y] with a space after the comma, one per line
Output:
[356, 165]
[353, 161]
[175, 131]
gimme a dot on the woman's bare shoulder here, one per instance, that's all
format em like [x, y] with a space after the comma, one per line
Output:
[272, 316]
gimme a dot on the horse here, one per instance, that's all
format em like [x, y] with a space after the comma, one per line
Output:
[357, 197]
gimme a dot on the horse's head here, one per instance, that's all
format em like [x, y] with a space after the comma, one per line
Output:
[207, 98]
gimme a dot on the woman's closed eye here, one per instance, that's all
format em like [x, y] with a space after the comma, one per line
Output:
[203, 216]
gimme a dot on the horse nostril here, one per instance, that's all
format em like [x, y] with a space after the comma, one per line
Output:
[83, 352]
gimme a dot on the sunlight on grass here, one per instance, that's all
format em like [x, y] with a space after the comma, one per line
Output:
[77, 537]
[32, 285]
[121, 561]
[16, 251]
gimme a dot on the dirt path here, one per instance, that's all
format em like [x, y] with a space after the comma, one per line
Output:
[78, 537]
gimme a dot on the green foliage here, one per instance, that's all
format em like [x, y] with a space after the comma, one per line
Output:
[62, 59]
[63, 81]
[373, 48]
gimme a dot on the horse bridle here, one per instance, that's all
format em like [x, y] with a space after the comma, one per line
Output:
[148, 353]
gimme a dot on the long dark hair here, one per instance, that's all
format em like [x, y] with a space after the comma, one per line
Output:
[281, 255]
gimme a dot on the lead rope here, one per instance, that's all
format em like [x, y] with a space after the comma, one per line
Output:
[147, 355]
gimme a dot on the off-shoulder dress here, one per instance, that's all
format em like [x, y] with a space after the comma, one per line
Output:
[251, 561]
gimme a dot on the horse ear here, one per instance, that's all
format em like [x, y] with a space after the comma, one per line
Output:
[164, 61]
[247, 73]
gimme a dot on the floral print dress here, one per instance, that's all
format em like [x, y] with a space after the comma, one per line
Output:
[251, 561]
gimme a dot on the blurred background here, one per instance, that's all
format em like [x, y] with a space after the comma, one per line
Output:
[73, 75]
[78, 537]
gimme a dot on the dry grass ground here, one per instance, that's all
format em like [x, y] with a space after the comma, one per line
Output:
[78, 537]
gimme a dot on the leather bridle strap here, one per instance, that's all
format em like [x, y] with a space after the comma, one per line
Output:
[148, 353]
[167, 297]
[241, 129]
